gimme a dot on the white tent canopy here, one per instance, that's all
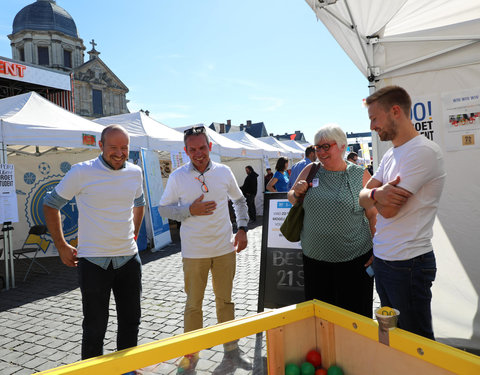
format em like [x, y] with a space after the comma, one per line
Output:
[146, 132]
[30, 119]
[292, 152]
[294, 144]
[430, 47]
[247, 140]
[226, 147]
[376, 33]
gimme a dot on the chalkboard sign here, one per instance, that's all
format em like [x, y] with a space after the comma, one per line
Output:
[281, 267]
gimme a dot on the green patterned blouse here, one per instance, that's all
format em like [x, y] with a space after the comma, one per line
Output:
[335, 228]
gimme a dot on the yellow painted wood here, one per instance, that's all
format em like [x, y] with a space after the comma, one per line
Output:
[327, 323]
[444, 356]
[177, 346]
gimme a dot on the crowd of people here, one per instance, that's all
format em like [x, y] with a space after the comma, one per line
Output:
[355, 220]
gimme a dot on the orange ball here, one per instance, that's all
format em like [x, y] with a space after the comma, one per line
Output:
[321, 371]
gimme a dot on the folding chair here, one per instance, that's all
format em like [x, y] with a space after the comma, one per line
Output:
[2, 279]
[33, 238]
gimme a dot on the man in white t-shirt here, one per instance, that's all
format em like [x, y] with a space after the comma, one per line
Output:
[110, 202]
[406, 190]
[197, 195]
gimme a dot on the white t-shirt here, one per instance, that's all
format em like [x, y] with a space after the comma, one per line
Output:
[105, 200]
[408, 234]
[210, 235]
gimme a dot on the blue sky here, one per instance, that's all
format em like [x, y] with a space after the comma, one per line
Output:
[206, 61]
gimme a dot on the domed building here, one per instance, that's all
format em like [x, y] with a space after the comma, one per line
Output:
[45, 34]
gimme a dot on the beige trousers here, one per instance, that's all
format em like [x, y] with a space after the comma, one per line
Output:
[196, 276]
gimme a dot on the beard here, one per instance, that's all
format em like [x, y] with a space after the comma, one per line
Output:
[389, 131]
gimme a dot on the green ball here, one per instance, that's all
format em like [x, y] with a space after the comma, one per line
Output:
[307, 368]
[335, 370]
[292, 369]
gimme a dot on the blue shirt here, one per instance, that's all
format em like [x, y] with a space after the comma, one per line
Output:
[282, 181]
[296, 169]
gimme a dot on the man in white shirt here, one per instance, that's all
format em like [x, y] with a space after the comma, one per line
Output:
[406, 190]
[110, 202]
[197, 195]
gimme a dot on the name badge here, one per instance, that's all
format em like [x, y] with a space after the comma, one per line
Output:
[315, 182]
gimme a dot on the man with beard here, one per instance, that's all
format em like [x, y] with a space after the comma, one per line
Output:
[110, 202]
[406, 190]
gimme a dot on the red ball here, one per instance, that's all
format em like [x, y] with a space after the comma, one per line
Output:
[321, 371]
[314, 358]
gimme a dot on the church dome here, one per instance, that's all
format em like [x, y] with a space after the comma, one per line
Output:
[45, 15]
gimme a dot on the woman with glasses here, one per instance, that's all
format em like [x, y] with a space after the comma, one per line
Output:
[279, 181]
[337, 233]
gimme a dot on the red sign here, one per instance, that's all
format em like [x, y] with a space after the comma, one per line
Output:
[89, 140]
[13, 69]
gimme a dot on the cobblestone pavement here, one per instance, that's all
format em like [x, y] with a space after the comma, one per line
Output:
[40, 319]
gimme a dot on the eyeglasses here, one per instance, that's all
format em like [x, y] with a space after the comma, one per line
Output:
[195, 130]
[201, 179]
[324, 147]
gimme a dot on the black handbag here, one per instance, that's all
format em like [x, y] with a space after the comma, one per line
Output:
[293, 223]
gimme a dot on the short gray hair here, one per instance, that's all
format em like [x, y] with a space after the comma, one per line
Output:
[332, 132]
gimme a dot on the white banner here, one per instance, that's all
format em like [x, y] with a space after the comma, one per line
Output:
[8, 198]
[156, 225]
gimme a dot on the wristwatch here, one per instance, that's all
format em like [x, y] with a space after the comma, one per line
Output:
[245, 229]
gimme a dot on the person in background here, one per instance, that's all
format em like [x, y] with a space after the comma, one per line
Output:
[337, 233]
[268, 177]
[110, 202]
[406, 190]
[279, 181]
[352, 157]
[197, 194]
[370, 168]
[249, 190]
[298, 167]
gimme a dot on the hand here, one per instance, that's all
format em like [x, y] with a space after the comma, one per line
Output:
[198, 207]
[68, 255]
[391, 195]
[300, 188]
[370, 261]
[240, 241]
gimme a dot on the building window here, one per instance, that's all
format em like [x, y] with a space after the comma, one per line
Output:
[67, 58]
[43, 56]
[97, 102]
[21, 54]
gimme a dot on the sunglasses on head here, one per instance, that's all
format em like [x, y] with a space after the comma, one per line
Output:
[195, 130]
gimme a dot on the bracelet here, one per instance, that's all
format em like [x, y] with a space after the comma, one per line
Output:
[372, 194]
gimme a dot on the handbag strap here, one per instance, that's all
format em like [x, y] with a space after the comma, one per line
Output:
[313, 171]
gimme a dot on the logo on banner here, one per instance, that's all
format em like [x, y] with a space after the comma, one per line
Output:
[34, 204]
[421, 116]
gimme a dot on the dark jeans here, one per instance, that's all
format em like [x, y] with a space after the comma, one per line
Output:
[344, 284]
[406, 285]
[95, 285]
[252, 211]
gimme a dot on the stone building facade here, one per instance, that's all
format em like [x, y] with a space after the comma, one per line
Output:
[45, 34]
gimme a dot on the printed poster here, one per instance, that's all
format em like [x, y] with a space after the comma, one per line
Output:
[8, 197]
[462, 119]
[278, 212]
